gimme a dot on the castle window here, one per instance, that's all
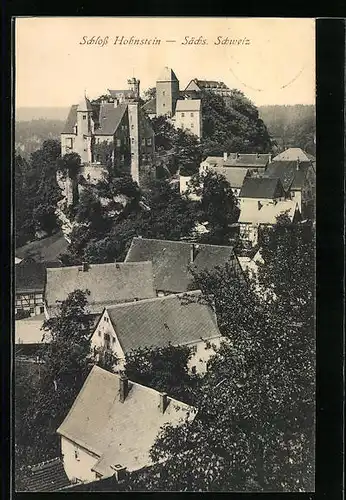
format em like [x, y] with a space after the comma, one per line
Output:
[133, 140]
[76, 454]
[182, 115]
[164, 92]
[132, 127]
[149, 142]
[191, 125]
[143, 142]
[69, 143]
[191, 114]
[163, 104]
[84, 117]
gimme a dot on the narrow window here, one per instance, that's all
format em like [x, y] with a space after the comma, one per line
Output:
[191, 114]
[164, 92]
[84, 117]
[118, 143]
[182, 115]
[143, 142]
[149, 142]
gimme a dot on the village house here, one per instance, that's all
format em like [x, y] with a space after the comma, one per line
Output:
[114, 131]
[29, 286]
[112, 425]
[179, 320]
[298, 179]
[294, 154]
[46, 477]
[44, 250]
[107, 283]
[218, 88]
[182, 112]
[262, 199]
[173, 260]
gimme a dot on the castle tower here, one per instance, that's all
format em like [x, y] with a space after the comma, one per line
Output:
[133, 84]
[85, 129]
[167, 92]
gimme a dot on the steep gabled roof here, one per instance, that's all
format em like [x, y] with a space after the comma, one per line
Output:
[45, 250]
[30, 276]
[150, 106]
[110, 118]
[107, 283]
[293, 154]
[188, 105]
[47, 476]
[116, 432]
[177, 319]
[172, 260]
[84, 105]
[261, 187]
[247, 160]
[291, 173]
[167, 75]
[71, 120]
[235, 176]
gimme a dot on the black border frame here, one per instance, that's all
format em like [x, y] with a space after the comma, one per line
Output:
[330, 45]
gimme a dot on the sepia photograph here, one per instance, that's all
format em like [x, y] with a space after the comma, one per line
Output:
[164, 229]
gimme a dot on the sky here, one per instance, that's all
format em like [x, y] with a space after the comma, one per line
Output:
[273, 61]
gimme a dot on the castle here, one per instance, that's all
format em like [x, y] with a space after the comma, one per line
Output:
[113, 131]
[182, 111]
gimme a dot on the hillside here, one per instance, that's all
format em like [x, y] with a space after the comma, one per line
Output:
[291, 126]
[37, 113]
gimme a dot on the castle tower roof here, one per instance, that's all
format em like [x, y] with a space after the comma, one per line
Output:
[84, 105]
[167, 75]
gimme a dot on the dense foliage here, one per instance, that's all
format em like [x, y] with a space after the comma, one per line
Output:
[36, 192]
[291, 126]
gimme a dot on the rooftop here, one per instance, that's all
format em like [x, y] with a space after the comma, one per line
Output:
[84, 105]
[47, 476]
[177, 319]
[150, 106]
[107, 283]
[248, 160]
[167, 75]
[291, 173]
[261, 187]
[235, 176]
[119, 433]
[110, 118]
[294, 154]
[172, 260]
[188, 105]
[30, 275]
[44, 250]
[267, 213]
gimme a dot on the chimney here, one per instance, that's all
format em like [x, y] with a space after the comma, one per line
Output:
[119, 472]
[85, 267]
[123, 387]
[259, 205]
[298, 163]
[163, 402]
[225, 156]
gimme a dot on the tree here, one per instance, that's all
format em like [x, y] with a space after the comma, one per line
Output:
[254, 429]
[218, 206]
[45, 218]
[45, 399]
[149, 94]
[164, 369]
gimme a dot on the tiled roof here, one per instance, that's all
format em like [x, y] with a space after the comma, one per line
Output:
[247, 160]
[291, 173]
[215, 160]
[188, 105]
[172, 259]
[30, 276]
[205, 84]
[176, 319]
[293, 154]
[119, 433]
[71, 120]
[167, 75]
[107, 283]
[268, 213]
[48, 249]
[110, 118]
[150, 106]
[261, 187]
[47, 476]
[235, 176]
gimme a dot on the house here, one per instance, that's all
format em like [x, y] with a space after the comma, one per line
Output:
[112, 425]
[219, 88]
[29, 285]
[173, 260]
[114, 131]
[299, 182]
[107, 283]
[48, 476]
[179, 320]
[44, 250]
[255, 162]
[181, 112]
[253, 218]
[294, 154]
